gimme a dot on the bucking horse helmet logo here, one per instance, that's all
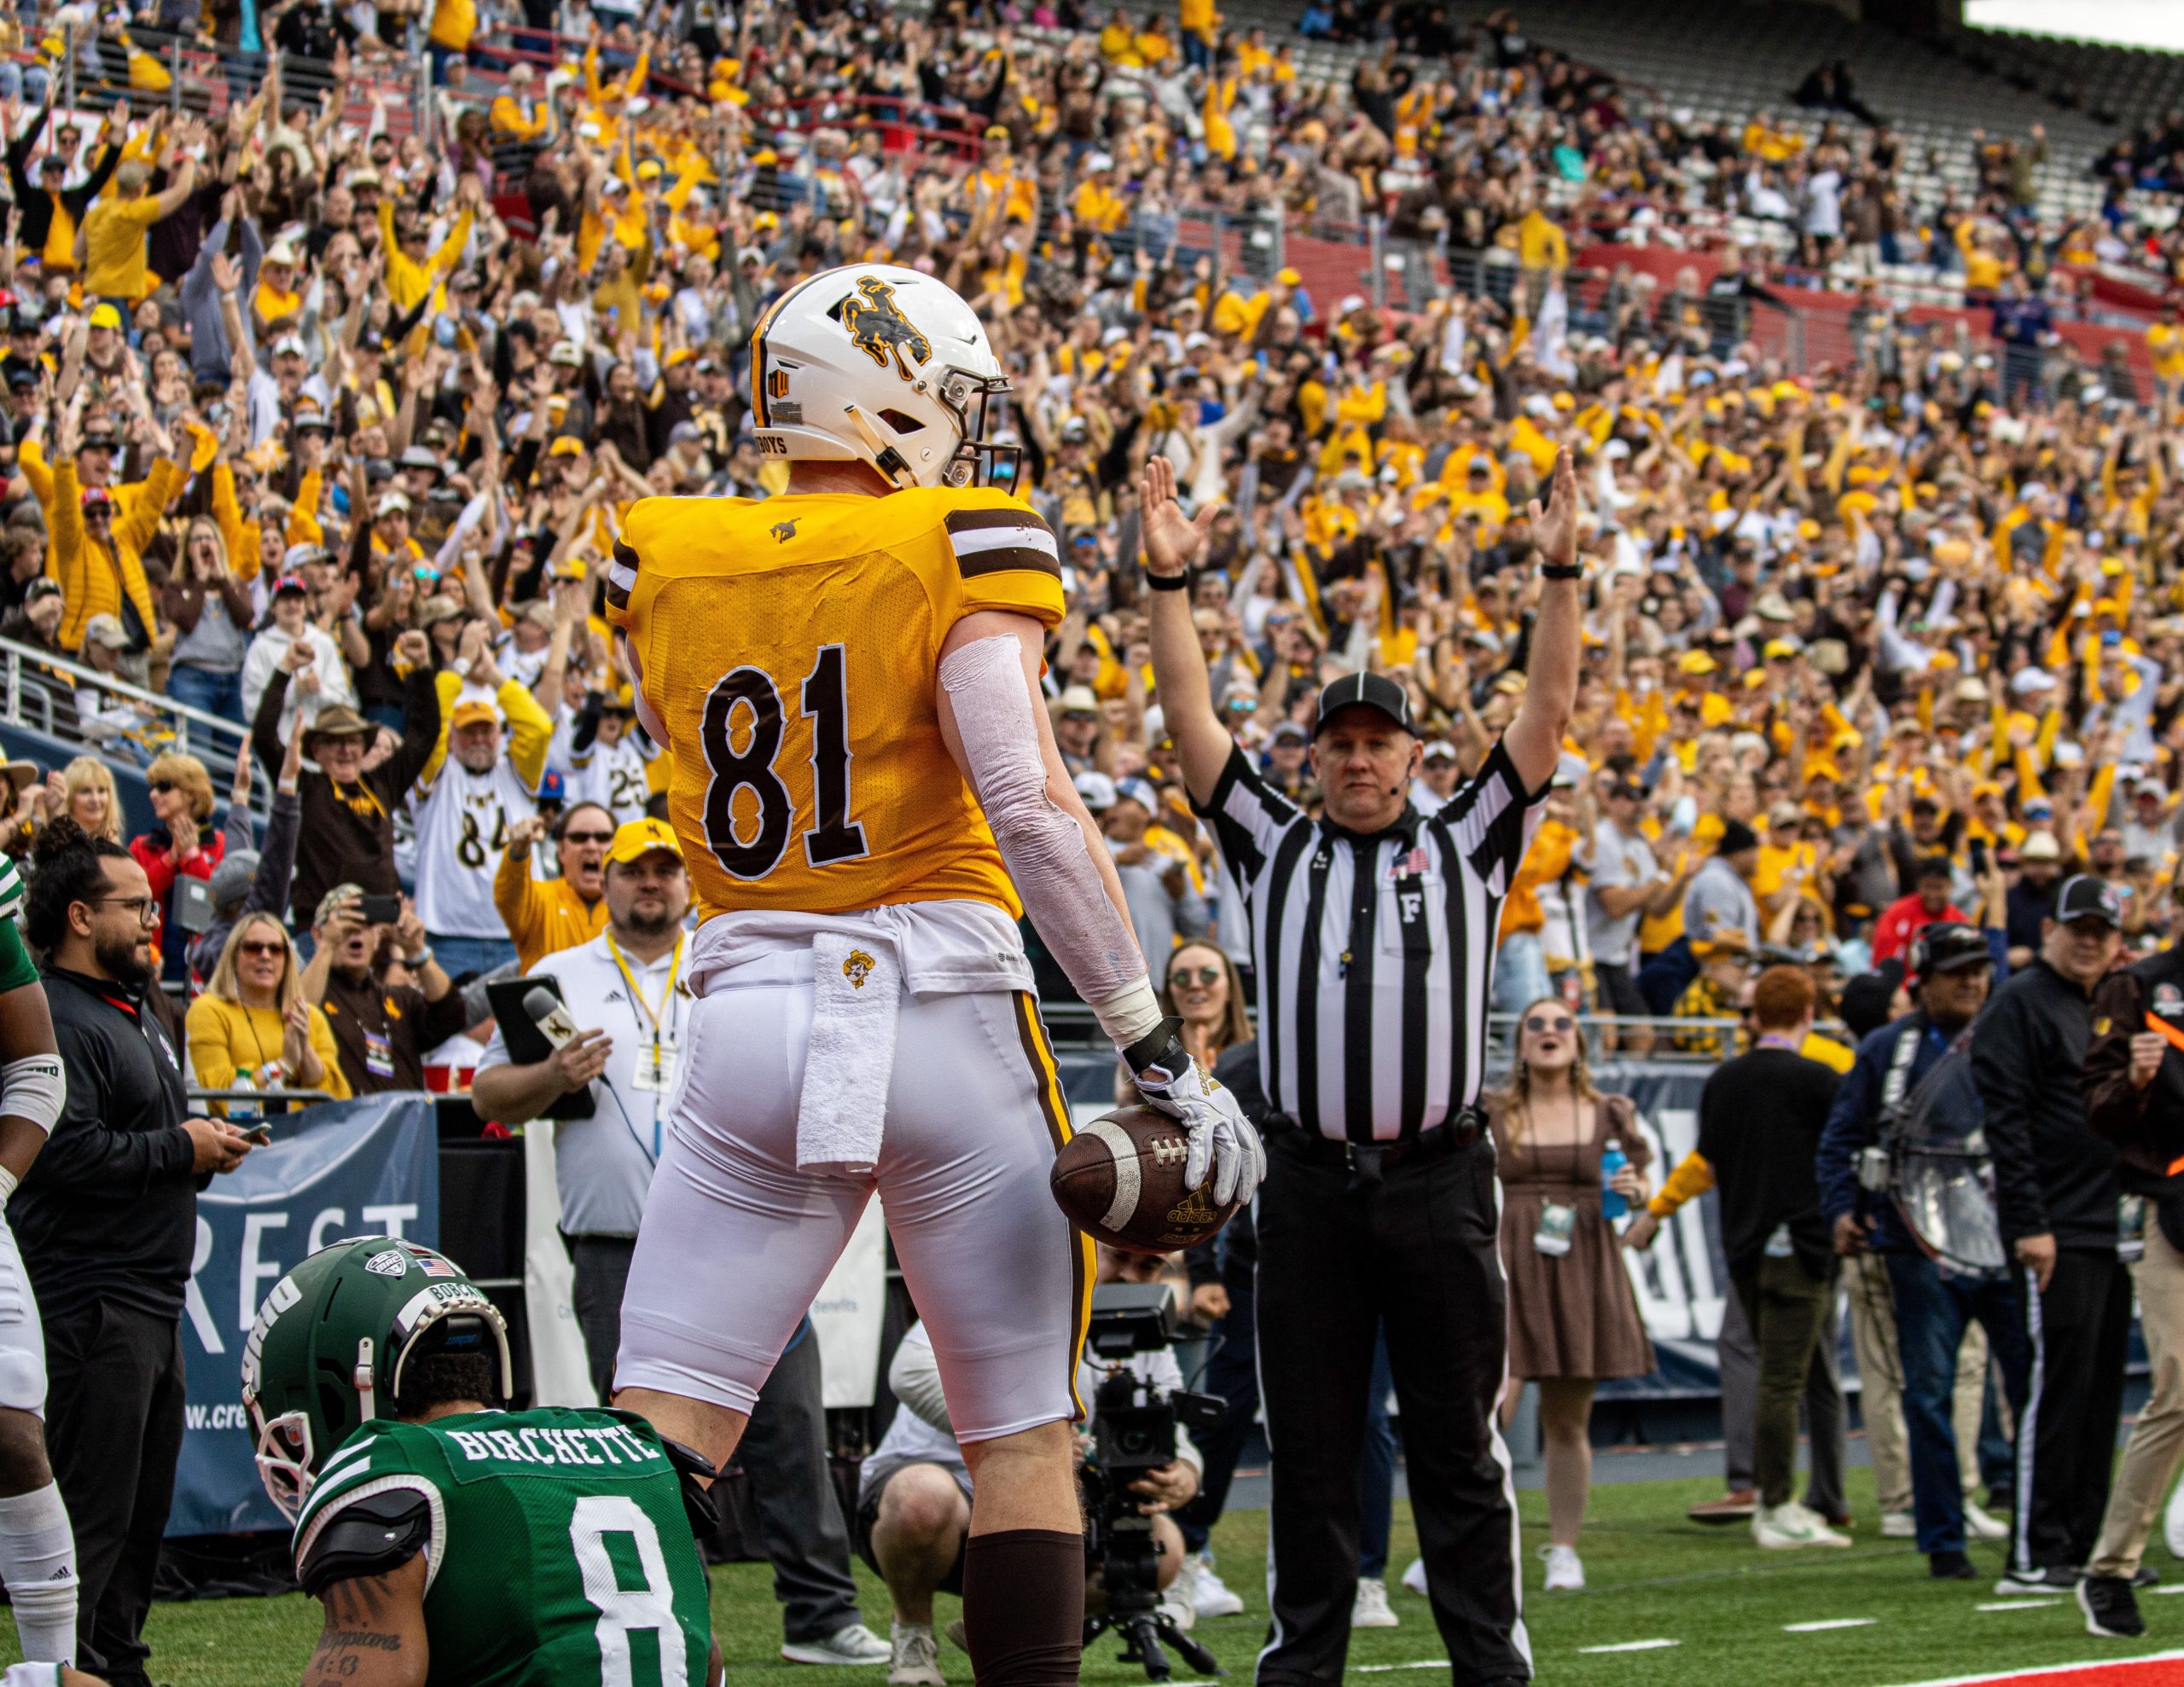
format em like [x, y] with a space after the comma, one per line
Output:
[879, 328]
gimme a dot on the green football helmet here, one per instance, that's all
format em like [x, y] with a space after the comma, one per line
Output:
[333, 1337]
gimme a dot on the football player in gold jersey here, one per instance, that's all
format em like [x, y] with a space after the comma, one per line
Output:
[865, 784]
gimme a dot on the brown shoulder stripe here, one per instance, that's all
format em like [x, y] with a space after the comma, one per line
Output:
[989, 541]
[1003, 559]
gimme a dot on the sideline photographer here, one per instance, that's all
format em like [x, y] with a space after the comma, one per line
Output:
[1932, 1309]
[913, 1505]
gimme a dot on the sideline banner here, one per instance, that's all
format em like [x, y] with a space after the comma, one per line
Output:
[363, 1167]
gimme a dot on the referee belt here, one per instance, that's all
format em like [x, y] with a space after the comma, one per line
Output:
[1368, 1163]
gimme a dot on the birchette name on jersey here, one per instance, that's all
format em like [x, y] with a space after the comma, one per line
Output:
[990, 540]
[534, 1445]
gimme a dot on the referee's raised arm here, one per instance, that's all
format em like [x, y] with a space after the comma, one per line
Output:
[1172, 542]
[1534, 738]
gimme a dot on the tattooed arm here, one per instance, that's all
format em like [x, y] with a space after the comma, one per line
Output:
[375, 1632]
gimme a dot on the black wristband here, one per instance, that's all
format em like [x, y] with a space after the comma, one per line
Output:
[1561, 571]
[1168, 582]
[1160, 1048]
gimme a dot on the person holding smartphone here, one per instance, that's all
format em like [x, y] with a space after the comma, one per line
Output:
[381, 1029]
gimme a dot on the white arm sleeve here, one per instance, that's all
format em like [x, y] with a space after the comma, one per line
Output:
[1042, 843]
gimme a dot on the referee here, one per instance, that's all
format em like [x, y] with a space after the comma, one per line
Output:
[1372, 932]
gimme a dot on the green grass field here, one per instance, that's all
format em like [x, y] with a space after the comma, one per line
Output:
[1653, 1577]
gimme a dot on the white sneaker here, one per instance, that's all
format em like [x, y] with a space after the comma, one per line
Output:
[1566, 1571]
[850, 1644]
[1413, 1577]
[915, 1658]
[1211, 1597]
[1370, 1609]
[1983, 1525]
[1902, 1526]
[1790, 1524]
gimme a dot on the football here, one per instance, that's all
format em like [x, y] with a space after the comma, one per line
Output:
[1120, 1179]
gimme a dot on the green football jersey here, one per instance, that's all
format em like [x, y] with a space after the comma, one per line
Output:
[561, 1553]
[17, 969]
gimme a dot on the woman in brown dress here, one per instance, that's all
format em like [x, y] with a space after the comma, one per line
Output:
[1572, 1317]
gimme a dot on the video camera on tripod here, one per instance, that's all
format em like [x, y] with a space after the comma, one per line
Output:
[1134, 1425]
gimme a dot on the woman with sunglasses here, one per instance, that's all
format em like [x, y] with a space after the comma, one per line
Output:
[1573, 1318]
[1201, 989]
[254, 1018]
[185, 845]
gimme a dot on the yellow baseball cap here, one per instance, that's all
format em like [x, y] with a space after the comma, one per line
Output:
[105, 317]
[634, 839]
[472, 712]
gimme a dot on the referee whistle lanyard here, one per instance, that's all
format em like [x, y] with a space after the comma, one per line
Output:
[649, 1020]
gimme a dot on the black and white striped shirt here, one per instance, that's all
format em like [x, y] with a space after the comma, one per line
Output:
[1373, 952]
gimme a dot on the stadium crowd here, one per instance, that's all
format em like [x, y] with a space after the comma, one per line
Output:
[329, 431]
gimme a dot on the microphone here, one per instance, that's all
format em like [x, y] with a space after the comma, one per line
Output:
[551, 1018]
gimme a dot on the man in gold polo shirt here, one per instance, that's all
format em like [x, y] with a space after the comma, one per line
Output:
[546, 915]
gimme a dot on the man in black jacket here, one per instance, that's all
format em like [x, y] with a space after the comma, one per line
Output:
[2056, 1196]
[107, 1224]
[1760, 1118]
[2134, 1098]
[40, 201]
[348, 812]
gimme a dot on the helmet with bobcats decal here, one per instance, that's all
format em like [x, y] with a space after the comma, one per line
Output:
[330, 1346]
[878, 364]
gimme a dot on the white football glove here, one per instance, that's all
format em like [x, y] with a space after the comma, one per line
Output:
[1219, 1133]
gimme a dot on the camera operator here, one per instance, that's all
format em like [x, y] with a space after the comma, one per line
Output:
[914, 1502]
[1933, 1308]
[2135, 1098]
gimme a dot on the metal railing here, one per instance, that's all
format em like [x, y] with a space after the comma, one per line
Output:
[25, 700]
[245, 1093]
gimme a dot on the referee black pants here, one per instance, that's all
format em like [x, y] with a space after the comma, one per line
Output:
[1339, 1257]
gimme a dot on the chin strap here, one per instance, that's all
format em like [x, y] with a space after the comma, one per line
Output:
[885, 457]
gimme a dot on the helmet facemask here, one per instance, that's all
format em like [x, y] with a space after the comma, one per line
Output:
[284, 1458]
[979, 460]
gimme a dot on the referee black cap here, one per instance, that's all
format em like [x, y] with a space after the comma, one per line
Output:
[1370, 690]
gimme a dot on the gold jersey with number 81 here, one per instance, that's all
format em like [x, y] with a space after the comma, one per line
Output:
[788, 647]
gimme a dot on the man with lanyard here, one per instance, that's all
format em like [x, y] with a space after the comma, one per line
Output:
[1955, 967]
[620, 988]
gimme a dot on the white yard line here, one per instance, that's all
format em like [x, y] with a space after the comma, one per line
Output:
[1634, 1646]
[1382, 1669]
[2033, 1604]
[1832, 1622]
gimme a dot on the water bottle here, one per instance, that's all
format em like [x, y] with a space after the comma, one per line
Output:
[1613, 1206]
[243, 1110]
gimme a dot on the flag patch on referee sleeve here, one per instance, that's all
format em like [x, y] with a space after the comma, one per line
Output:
[991, 541]
[621, 575]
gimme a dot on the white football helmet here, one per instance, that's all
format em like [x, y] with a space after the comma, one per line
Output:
[879, 364]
